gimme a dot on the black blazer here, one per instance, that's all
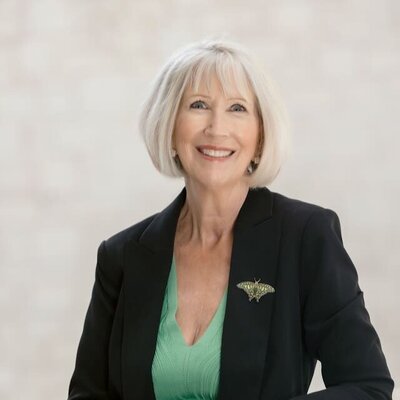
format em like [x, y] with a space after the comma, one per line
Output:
[269, 349]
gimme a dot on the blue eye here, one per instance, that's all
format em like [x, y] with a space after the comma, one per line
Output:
[197, 102]
[241, 108]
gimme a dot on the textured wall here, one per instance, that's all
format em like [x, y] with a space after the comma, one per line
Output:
[72, 76]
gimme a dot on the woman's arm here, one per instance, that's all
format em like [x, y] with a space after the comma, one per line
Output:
[337, 326]
[90, 378]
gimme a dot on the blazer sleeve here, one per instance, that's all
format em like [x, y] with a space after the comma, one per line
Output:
[336, 325]
[90, 377]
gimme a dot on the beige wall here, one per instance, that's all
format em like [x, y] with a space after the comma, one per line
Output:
[72, 76]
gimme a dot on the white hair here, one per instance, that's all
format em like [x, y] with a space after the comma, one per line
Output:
[196, 63]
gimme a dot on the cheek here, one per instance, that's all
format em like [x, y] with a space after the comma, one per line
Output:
[179, 130]
[250, 135]
[185, 128]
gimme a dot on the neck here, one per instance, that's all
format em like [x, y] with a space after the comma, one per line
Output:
[209, 214]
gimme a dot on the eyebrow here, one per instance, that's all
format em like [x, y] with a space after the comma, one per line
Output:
[208, 97]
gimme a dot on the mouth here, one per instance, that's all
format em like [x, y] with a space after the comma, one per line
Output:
[215, 153]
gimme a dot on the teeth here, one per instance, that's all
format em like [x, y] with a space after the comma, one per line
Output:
[216, 153]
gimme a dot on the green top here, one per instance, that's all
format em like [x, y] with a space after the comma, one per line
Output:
[181, 371]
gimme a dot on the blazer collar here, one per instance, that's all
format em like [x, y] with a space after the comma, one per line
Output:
[160, 233]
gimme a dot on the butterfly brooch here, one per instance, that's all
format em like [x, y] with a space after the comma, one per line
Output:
[255, 290]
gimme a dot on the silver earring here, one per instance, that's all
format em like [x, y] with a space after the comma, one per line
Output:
[174, 153]
[253, 165]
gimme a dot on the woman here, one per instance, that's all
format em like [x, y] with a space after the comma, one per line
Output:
[232, 291]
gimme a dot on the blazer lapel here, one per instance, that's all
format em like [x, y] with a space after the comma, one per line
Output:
[147, 266]
[246, 324]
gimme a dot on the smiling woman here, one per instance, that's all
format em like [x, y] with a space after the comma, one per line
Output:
[172, 314]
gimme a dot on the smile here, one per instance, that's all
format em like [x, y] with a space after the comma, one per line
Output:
[215, 154]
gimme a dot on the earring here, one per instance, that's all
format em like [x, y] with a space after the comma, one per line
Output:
[253, 165]
[174, 153]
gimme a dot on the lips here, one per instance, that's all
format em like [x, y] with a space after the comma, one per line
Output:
[215, 152]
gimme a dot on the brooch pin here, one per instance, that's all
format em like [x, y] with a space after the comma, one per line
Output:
[255, 289]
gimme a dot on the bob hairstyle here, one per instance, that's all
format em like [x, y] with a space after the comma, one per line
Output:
[234, 69]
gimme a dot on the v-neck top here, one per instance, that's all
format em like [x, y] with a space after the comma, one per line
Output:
[180, 371]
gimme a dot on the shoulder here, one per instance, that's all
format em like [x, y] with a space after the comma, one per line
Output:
[134, 232]
[316, 232]
[116, 242]
[308, 220]
[299, 211]
[110, 254]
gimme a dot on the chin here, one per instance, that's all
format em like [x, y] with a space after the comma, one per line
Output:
[214, 182]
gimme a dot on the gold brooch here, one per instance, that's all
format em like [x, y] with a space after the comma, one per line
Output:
[255, 289]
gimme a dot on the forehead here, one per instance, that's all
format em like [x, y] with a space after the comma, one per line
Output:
[230, 79]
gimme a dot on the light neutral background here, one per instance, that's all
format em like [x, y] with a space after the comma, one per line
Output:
[73, 169]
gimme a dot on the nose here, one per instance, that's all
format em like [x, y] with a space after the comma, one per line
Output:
[217, 124]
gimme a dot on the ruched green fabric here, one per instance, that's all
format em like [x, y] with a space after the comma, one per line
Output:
[180, 371]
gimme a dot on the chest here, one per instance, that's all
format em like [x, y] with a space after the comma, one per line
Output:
[202, 280]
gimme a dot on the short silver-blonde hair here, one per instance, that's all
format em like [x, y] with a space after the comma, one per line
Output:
[197, 63]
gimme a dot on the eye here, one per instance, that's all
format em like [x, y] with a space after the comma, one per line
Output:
[239, 107]
[197, 102]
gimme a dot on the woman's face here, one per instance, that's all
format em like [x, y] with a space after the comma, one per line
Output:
[216, 137]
